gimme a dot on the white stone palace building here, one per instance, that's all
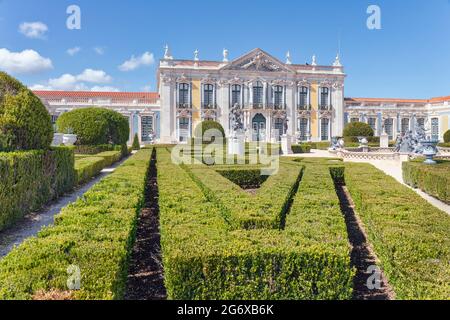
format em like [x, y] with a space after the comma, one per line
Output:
[305, 101]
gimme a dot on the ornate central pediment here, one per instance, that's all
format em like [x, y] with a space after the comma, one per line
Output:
[258, 60]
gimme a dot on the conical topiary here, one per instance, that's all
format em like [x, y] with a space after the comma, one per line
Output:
[136, 144]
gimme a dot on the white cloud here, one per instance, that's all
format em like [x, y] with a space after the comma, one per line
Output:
[94, 76]
[104, 89]
[71, 82]
[134, 63]
[27, 61]
[33, 30]
[99, 50]
[147, 88]
[73, 51]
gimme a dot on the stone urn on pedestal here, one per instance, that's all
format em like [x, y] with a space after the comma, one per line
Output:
[429, 150]
[58, 139]
[363, 144]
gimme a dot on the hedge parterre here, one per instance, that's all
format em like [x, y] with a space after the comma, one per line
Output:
[95, 233]
[434, 180]
[206, 259]
[29, 179]
[410, 237]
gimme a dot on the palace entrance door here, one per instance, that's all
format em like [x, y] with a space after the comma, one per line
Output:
[259, 128]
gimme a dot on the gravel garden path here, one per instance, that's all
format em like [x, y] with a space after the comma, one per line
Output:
[32, 223]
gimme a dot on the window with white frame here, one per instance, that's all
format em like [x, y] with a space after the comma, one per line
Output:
[405, 125]
[435, 128]
[325, 129]
[389, 128]
[352, 120]
[208, 95]
[146, 127]
[303, 129]
[421, 122]
[183, 94]
[324, 97]
[235, 94]
[372, 122]
[303, 98]
[258, 93]
[278, 96]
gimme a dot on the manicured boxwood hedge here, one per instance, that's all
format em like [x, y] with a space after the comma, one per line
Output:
[29, 179]
[87, 168]
[301, 148]
[434, 180]
[95, 233]
[206, 259]
[244, 178]
[409, 236]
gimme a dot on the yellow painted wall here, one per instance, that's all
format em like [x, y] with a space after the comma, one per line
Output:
[315, 107]
[196, 103]
[445, 124]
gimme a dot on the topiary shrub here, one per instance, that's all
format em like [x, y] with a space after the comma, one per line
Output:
[136, 145]
[447, 137]
[358, 129]
[95, 126]
[201, 131]
[25, 123]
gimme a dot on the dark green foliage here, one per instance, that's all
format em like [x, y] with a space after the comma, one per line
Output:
[434, 180]
[358, 129]
[25, 123]
[136, 145]
[94, 233]
[30, 179]
[201, 131]
[95, 126]
[205, 258]
[408, 234]
[444, 145]
[246, 179]
[323, 145]
[85, 149]
[301, 148]
[338, 175]
[447, 136]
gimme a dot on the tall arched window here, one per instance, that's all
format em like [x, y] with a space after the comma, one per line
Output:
[258, 93]
[208, 95]
[235, 94]
[324, 97]
[421, 123]
[303, 99]
[183, 94]
[372, 123]
[278, 96]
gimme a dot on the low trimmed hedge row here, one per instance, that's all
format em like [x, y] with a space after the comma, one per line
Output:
[245, 178]
[30, 179]
[409, 236]
[87, 168]
[434, 180]
[204, 259]
[301, 148]
[266, 209]
[95, 233]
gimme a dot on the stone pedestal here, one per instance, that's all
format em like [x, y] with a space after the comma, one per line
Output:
[58, 139]
[384, 141]
[286, 144]
[236, 145]
[69, 139]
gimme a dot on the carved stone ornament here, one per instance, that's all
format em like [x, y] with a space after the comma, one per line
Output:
[184, 114]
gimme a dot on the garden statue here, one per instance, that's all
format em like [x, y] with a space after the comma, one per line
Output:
[336, 144]
[236, 119]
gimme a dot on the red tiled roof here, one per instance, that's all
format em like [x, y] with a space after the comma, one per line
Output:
[96, 94]
[439, 99]
[385, 100]
[395, 100]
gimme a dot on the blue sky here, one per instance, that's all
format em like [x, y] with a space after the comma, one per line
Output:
[409, 57]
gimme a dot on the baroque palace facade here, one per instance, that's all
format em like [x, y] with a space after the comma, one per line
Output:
[273, 97]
